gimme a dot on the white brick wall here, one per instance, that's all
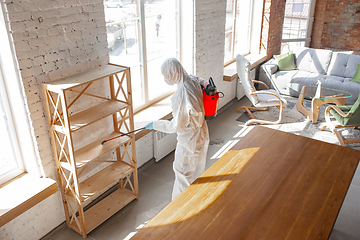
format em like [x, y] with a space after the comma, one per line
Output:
[209, 45]
[33, 224]
[53, 39]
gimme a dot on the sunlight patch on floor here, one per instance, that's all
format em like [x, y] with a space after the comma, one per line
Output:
[131, 234]
[224, 149]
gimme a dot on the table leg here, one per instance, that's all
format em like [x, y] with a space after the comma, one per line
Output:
[300, 104]
[316, 103]
[315, 109]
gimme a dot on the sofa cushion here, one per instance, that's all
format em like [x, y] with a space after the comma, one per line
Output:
[343, 65]
[282, 78]
[285, 61]
[312, 60]
[356, 77]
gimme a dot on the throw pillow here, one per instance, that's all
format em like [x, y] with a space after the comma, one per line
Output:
[286, 61]
[356, 77]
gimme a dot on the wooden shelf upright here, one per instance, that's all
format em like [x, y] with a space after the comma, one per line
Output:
[83, 214]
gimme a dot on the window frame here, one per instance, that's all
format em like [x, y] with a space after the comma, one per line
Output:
[309, 24]
[9, 122]
[143, 56]
[14, 103]
[253, 28]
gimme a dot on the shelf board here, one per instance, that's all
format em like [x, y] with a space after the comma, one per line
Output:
[94, 150]
[84, 77]
[98, 182]
[104, 209]
[90, 115]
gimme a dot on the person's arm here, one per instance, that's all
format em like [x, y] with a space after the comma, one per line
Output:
[203, 82]
[179, 122]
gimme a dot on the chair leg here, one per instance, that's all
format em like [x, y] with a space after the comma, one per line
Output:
[332, 127]
[252, 108]
[250, 113]
[247, 109]
[342, 141]
[339, 137]
[268, 122]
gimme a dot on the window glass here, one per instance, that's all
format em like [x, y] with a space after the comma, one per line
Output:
[123, 41]
[15, 134]
[229, 30]
[237, 28]
[296, 22]
[243, 26]
[143, 47]
[10, 166]
[287, 46]
[160, 43]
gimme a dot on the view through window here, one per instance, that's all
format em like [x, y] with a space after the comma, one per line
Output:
[238, 26]
[141, 35]
[10, 164]
[297, 23]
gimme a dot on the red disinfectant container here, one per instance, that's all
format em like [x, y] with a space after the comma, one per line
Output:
[211, 98]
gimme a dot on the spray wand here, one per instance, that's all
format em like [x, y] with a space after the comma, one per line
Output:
[102, 143]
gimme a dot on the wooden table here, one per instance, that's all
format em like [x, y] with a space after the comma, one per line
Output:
[270, 185]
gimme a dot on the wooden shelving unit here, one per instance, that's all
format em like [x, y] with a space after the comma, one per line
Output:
[61, 97]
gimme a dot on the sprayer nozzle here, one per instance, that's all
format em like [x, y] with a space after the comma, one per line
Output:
[102, 143]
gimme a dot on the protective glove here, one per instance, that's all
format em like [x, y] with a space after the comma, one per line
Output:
[204, 83]
[149, 126]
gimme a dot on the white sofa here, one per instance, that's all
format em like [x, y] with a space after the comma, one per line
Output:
[333, 69]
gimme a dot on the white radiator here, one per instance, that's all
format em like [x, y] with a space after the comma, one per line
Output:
[164, 144]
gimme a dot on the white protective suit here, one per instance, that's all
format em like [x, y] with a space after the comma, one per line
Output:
[189, 124]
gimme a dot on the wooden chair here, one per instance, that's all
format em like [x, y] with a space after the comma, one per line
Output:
[345, 116]
[261, 99]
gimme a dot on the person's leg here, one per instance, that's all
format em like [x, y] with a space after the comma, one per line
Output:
[183, 171]
[200, 168]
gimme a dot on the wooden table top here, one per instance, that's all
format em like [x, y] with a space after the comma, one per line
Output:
[270, 185]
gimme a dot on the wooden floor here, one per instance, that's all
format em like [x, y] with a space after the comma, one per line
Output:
[270, 185]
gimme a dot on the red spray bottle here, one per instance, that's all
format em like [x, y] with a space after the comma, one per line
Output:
[211, 98]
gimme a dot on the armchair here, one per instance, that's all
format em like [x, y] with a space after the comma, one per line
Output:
[262, 99]
[345, 116]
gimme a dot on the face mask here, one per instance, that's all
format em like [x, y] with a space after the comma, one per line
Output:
[168, 81]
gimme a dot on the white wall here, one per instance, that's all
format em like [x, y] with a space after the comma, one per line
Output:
[54, 39]
[209, 36]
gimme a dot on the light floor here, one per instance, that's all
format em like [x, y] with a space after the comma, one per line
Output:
[156, 181]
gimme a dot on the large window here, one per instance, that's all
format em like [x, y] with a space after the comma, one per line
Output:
[242, 28]
[10, 161]
[297, 24]
[141, 35]
[16, 143]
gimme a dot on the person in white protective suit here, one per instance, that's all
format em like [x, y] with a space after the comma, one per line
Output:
[188, 122]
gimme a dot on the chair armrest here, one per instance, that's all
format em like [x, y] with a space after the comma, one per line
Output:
[262, 83]
[267, 70]
[270, 67]
[338, 110]
[265, 92]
